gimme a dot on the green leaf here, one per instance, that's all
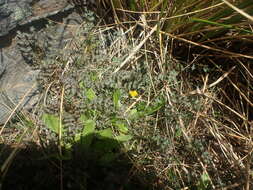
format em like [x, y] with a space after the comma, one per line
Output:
[205, 177]
[77, 137]
[133, 5]
[90, 94]
[83, 118]
[178, 133]
[104, 145]
[94, 76]
[52, 122]
[68, 151]
[108, 158]
[123, 138]
[152, 109]
[204, 181]
[171, 175]
[121, 126]
[81, 85]
[89, 127]
[133, 114]
[116, 98]
[105, 133]
[88, 133]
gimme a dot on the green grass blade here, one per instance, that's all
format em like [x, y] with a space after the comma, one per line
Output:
[225, 13]
[116, 98]
[227, 26]
[211, 22]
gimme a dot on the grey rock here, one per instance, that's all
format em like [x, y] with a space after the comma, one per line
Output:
[2, 64]
[15, 13]
[18, 78]
[12, 12]
[18, 88]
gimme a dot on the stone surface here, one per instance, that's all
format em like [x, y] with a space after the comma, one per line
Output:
[11, 13]
[18, 78]
[17, 83]
[2, 64]
[14, 13]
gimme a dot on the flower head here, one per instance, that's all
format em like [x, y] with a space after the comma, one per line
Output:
[133, 93]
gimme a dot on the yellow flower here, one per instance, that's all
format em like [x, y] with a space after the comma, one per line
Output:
[133, 93]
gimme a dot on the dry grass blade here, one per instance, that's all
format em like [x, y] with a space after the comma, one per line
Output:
[225, 75]
[240, 92]
[245, 68]
[17, 106]
[132, 105]
[221, 78]
[238, 10]
[135, 50]
[60, 137]
[232, 54]
[227, 107]
[171, 17]
[60, 120]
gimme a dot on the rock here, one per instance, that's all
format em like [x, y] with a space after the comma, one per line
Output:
[11, 13]
[17, 83]
[2, 64]
[18, 78]
[17, 13]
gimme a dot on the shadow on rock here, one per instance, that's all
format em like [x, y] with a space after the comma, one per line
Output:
[96, 165]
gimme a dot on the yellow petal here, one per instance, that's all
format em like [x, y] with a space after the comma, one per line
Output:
[133, 93]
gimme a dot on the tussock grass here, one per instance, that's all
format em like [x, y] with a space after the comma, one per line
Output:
[204, 36]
